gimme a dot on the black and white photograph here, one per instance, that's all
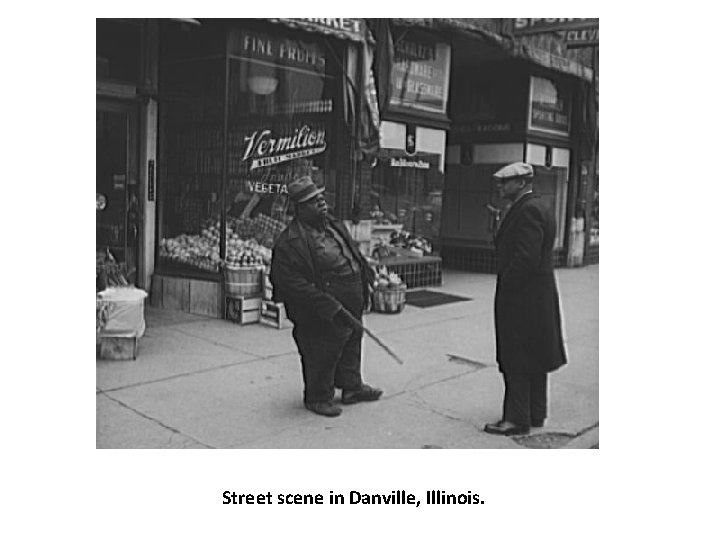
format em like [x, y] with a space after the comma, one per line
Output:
[348, 233]
[347, 272]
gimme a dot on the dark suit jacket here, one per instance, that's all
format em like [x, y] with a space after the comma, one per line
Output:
[296, 281]
[528, 327]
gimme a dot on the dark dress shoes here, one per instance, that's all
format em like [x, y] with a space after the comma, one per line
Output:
[324, 408]
[364, 393]
[506, 428]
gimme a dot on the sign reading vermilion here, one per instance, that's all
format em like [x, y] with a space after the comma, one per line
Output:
[535, 26]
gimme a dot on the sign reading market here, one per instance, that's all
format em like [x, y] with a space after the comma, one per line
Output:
[420, 74]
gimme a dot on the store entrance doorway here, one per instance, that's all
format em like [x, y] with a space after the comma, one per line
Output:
[117, 216]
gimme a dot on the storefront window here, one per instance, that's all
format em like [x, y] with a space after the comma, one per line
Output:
[282, 94]
[118, 50]
[595, 214]
[407, 191]
[549, 106]
[281, 99]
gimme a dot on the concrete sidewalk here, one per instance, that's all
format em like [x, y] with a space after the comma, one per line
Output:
[208, 383]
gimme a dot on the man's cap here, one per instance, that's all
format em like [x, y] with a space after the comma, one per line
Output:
[514, 170]
[303, 189]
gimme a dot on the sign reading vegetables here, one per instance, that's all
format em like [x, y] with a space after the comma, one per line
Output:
[420, 74]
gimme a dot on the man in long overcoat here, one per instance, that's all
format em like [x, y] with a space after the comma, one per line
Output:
[528, 328]
[325, 283]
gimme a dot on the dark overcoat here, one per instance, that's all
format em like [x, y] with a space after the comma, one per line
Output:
[528, 328]
[295, 278]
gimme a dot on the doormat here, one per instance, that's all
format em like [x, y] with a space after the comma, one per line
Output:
[424, 298]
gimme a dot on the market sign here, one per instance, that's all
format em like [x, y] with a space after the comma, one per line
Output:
[420, 74]
[536, 26]
[353, 29]
[549, 106]
[264, 148]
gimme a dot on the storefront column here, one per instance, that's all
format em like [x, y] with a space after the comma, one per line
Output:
[148, 186]
[148, 152]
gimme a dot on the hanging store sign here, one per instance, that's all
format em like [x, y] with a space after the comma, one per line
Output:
[409, 163]
[549, 106]
[536, 26]
[264, 148]
[586, 37]
[420, 74]
[342, 28]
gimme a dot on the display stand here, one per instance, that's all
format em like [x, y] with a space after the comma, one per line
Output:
[414, 271]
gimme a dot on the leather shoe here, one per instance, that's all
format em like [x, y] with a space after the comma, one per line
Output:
[364, 393]
[506, 428]
[324, 408]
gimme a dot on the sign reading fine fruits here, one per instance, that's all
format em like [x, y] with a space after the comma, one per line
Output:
[535, 26]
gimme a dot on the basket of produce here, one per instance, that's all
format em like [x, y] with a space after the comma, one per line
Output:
[243, 275]
[389, 293]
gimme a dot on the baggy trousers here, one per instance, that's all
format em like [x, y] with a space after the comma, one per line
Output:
[330, 353]
[525, 401]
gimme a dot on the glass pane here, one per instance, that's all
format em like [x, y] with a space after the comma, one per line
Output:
[191, 164]
[111, 183]
[408, 196]
[118, 50]
[282, 96]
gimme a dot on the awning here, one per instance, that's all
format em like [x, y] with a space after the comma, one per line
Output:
[518, 47]
[352, 29]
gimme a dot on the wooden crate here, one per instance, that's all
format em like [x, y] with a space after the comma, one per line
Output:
[242, 310]
[118, 348]
[273, 314]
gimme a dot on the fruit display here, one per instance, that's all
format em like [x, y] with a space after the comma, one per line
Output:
[417, 244]
[203, 250]
[389, 293]
[385, 279]
[108, 272]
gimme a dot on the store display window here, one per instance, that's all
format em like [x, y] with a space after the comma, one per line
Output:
[549, 106]
[277, 124]
[407, 192]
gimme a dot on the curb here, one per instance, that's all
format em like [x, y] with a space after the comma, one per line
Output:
[586, 441]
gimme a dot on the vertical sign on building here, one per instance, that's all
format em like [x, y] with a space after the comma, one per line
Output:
[151, 180]
[411, 139]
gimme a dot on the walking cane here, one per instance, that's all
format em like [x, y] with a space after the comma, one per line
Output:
[377, 340]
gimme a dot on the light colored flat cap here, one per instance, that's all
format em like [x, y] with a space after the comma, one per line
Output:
[515, 170]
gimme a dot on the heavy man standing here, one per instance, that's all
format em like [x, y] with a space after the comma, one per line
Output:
[324, 281]
[528, 330]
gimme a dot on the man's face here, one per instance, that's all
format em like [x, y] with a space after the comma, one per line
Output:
[314, 210]
[510, 188]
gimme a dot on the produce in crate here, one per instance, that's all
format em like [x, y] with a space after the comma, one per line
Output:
[203, 250]
[384, 279]
[389, 293]
[418, 244]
